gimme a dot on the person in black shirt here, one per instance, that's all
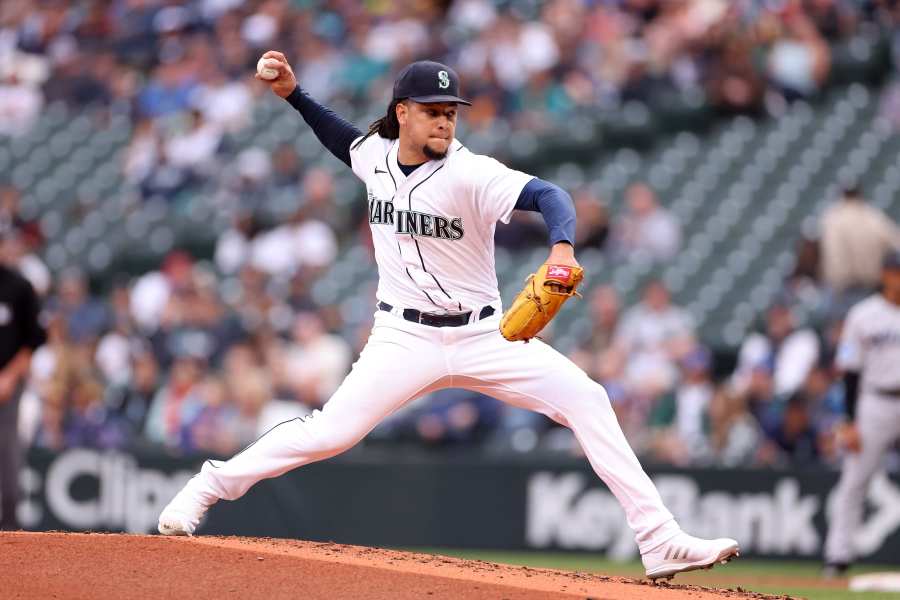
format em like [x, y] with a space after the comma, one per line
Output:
[20, 334]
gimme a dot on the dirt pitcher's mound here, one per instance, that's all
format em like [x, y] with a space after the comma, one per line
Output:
[95, 565]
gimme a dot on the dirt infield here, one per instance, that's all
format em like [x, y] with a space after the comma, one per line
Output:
[94, 565]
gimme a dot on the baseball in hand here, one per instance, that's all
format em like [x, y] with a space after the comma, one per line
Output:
[266, 68]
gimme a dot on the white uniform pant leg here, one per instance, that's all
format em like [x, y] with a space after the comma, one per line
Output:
[396, 365]
[878, 421]
[535, 376]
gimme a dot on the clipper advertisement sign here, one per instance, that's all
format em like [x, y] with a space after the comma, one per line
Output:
[84, 489]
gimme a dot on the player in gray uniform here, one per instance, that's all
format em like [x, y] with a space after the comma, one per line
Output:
[869, 356]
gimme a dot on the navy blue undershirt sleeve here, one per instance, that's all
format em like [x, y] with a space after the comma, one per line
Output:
[333, 131]
[554, 204]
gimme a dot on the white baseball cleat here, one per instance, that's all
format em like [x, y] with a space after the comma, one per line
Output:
[687, 553]
[182, 515]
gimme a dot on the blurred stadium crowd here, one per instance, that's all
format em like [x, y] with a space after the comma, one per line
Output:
[204, 353]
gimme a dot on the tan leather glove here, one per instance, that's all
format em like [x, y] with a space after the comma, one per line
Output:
[537, 304]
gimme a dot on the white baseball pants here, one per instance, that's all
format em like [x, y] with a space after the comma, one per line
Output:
[403, 360]
[878, 421]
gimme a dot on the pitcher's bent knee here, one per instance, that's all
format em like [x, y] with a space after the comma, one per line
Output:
[587, 396]
[326, 439]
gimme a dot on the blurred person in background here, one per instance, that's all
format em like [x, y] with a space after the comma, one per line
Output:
[606, 312]
[680, 416]
[596, 353]
[113, 354]
[11, 216]
[318, 202]
[592, 229]
[783, 350]
[641, 366]
[20, 102]
[802, 286]
[246, 185]
[143, 151]
[20, 335]
[834, 19]
[735, 434]
[286, 168]
[115, 347]
[86, 316]
[128, 401]
[266, 366]
[732, 81]
[50, 431]
[27, 263]
[226, 105]
[81, 79]
[233, 244]
[193, 146]
[854, 239]
[23, 239]
[86, 422]
[165, 181]
[174, 401]
[252, 396]
[646, 228]
[254, 304]
[195, 322]
[799, 59]
[231, 412]
[793, 437]
[315, 361]
[655, 334]
[301, 241]
[150, 293]
[206, 418]
[168, 91]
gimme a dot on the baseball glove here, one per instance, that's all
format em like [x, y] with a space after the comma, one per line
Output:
[537, 304]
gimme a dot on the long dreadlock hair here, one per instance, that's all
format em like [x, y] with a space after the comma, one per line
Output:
[387, 126]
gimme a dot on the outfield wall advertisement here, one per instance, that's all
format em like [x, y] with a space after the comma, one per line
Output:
[421, 501]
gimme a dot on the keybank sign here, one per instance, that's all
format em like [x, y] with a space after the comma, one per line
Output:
[573, 511]
[88, 489]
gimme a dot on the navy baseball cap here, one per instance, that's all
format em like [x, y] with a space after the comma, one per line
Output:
[891, 260]
[428, 81]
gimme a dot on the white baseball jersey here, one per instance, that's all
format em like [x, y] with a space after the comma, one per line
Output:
[434, 230]
[870, 344]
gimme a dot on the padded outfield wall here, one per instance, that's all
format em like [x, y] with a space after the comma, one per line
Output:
[399, 499]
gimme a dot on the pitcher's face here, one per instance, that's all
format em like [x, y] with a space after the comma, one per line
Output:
[430, 126]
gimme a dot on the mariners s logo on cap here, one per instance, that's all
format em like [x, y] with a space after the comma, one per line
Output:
[428, 81]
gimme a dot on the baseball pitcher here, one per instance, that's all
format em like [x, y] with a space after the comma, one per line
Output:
[433, 206]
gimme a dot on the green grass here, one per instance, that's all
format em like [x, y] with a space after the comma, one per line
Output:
[755, 574]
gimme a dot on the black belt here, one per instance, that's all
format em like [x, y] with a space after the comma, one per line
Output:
[893, 393]
[432, 320]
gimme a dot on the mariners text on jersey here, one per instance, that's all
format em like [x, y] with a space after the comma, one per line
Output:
[381, 212]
